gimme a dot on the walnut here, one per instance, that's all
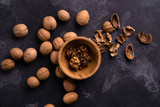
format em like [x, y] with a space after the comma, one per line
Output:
[121, 38]
[145, 38]
[107, 37]
[128, 30]
[75, 62]
[115, 21]
[130, 52]
[114, 49]
[107, 27]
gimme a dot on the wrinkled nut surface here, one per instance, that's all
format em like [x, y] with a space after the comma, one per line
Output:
[82, 17]
[59, 73]
[58, 43]
[69, 35]
[43, 34]
[121, 38]
[7, 64]
[130, 52]
[128, 30]
[33, 82]
[114, 49]
[20, 30]
[30, 55]
[54, 57]
[70, 97]
[69, 85]
[103, 47]
[115, 21]
[16, 53]
[63, 15]
[145, 38]
[49, 23]
[49, 105]
[107, 27]
[46, 48]
[43, 73]
[107, 37]
[75, 62]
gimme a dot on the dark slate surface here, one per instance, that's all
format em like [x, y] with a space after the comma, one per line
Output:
[118, 82]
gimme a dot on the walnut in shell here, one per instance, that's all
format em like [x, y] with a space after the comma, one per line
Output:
[121, 38]
[130, 52]
[115, 21]
[107, 27]
[128, 30]
[145, 38]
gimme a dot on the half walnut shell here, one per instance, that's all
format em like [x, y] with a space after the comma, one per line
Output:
[128, 30]
[98, 36]
[107, 37]
[115, 21]
[107, 27]
[130, 52]
[145, 38]
[113, 49]
[121, 38]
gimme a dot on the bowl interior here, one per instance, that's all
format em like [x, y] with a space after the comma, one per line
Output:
[93, 51]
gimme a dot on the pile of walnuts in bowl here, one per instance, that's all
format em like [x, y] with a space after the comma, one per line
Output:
[78, 58]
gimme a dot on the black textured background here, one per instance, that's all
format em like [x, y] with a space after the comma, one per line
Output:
[117, 83]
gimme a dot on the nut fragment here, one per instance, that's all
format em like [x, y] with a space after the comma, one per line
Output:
[33, 82]
[114, 49]
[46, 48]
[98, 36]
[128, 30]
[115, 21]
[59, 73]
[69, 85]
[54, 57]
[69, 35]
[107, 27]
[130, 52]
[43, 73]
[75, 62]
[58, 43]
[121, 38]
[107, 37]
[70, 97]
[7, 64]
[145, 38]
[103, 47]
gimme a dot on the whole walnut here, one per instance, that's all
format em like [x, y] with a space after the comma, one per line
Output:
[16, 53]
[20, 30]
[49, 105]
[82, 17]
[49, 23]
[59, 73]
[7, 64]
[69, 35]
[69, 85]
[63, 15]
[46, 48]
[58, 43]
[43, 73]
[43, 34]
[54, 57]
[107, 27]
[30, 55]
[33, 82]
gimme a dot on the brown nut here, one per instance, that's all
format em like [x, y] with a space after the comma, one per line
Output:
[58, 43]
[69, 85]
[145, 38]
[63, 15]
[107, 37]
[75, 62]
[113, 54]
[107, 27]
[98, 36]
[69, 35]
[103, 47]
[33, 82]
[43, 73]
[59, 73]
[49, 23]
[114, 49]
[115, 21]
[16, 53]
[70, 97]
[54, 57]
[82, 17]
[46, 48]
[49, 105]
[43, 34]
[121, 38]
[20, 30]
[130, 52]
[128, 30]
[30, 55]
[7, 64]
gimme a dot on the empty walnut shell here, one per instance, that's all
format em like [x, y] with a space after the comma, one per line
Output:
[145, 38]
[103, 47]
[113, 54]
[107, 37]
[113, 49]
[128, 30]
[98, 36]
[107, 27]
[115, 21]
[121, 38]
[130, 52]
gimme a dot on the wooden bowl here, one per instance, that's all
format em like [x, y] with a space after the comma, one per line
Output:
[93, 51]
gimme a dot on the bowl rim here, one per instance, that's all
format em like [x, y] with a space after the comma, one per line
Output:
[97, 50]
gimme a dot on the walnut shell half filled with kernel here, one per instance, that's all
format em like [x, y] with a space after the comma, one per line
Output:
[145, 38]
[130, 52]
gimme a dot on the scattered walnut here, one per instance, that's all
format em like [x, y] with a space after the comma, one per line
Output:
[114, 49]
[107, 27]
[75, 62]
[145, 38]
[115, 21]
[128, 30]
[121, 38]
[130, 52]
[107, 37]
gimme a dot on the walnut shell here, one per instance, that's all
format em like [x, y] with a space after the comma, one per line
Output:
[57, 43]
[114, 49]
[16, 53]
[46, 48]
[33, 82]
[49, 23]
[107, 37]
[30, 55]
[54, 57]
[145, 38]
[130, 52]
[107, 27]
[128, 30]
[20, 30]
[115, 21]
[63, 15]
[43, 73]
[69, 85]
[43, 34]
[121, 38]
[82, 17]
[59, 73]
[7, 64]
[69, 35]
[70, 97]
